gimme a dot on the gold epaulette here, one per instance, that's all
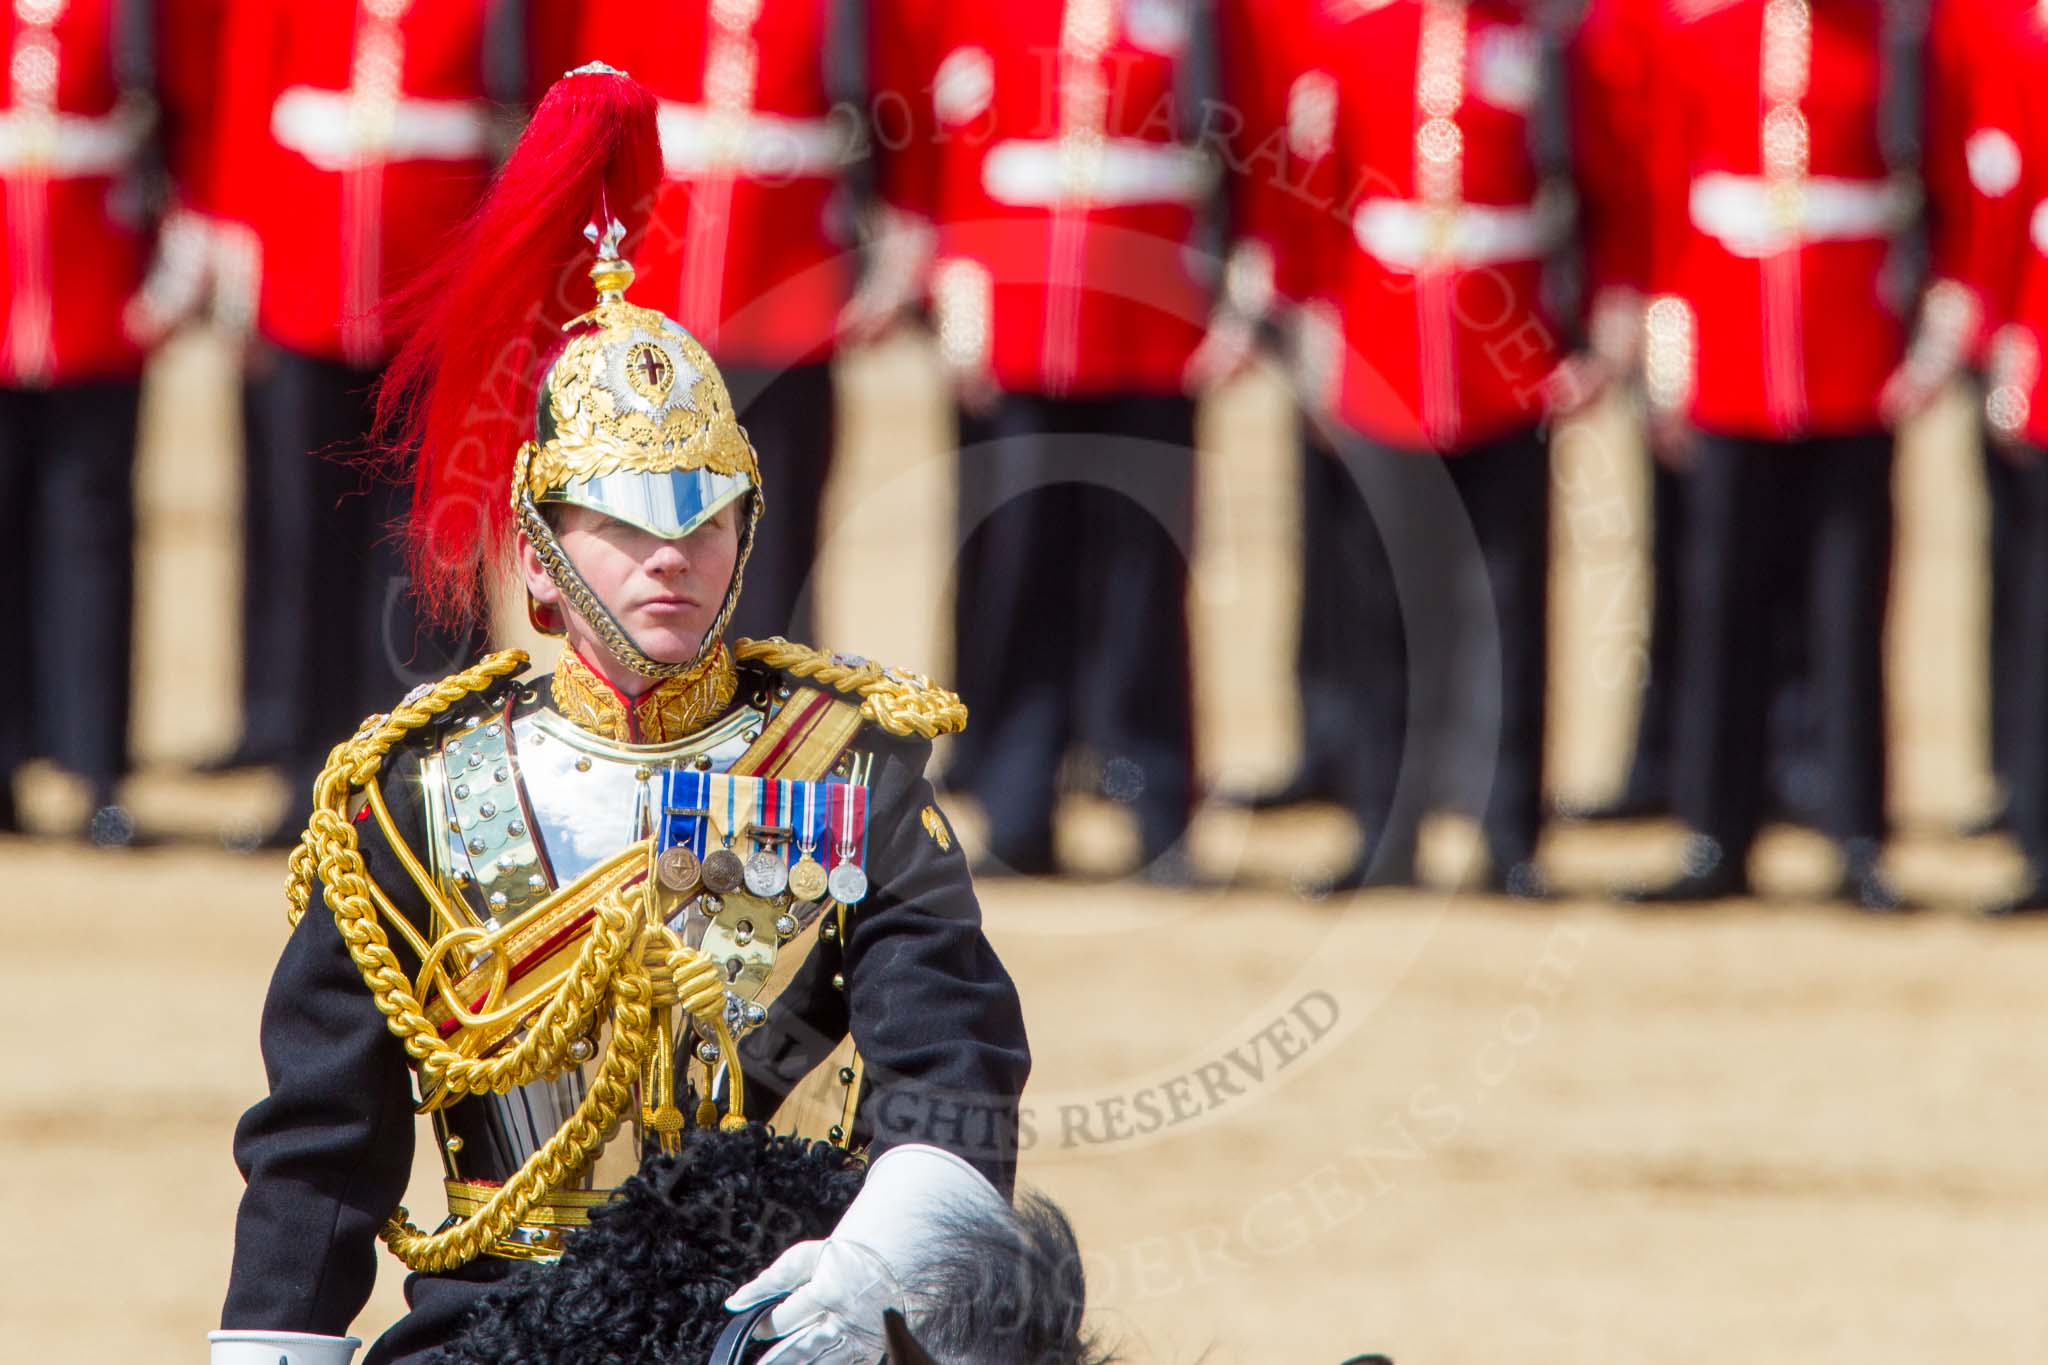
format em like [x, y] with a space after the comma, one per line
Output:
[354, 763]
[384, 731]
[900, 702]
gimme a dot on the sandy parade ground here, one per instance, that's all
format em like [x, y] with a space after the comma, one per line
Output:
[1288, 1129]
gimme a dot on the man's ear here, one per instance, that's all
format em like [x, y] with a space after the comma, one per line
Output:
[538, 585]
[543, 598]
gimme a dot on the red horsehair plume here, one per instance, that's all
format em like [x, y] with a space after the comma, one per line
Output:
[482, 323]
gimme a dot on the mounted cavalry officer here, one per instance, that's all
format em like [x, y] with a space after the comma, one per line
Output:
[610, 913]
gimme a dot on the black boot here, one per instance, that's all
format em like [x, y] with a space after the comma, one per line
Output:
[111, 824]
[1865, 886]
[2031, 902]
[1710, 875]
[1637, 800]
[1303, 788]
[1032, 857]
[1381, 865]
[1518, 879]
[1996, 820]
[243, 755]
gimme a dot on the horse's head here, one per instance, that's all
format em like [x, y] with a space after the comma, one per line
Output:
[656, 1264]
[1002, 1289]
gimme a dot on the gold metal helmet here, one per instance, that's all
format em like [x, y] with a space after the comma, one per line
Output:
[634, 422]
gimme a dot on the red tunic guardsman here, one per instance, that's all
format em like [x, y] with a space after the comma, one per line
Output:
[1777, 218]
[902, 57]
[1442, 212]
[1611, 95]
[1977, 235]
[1054, 154]
[749, 243]
[1971, 166]
[77, 127]
[1066, 196]
[1279, 107]
[1442, 223]
[1611, 92]
[1785, 186]
[353, 137]
[2016, 412]
[2018, 291]
[753, 236]
[91, 116]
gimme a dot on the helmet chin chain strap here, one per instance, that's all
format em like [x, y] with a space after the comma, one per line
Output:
[585, 602]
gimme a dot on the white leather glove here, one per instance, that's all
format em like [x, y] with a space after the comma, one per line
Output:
[838, 1288]
[280, 1348]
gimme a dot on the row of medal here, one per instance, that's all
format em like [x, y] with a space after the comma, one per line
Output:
[712, 812]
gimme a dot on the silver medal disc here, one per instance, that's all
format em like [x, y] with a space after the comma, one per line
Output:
[767, 874]
[847, 883]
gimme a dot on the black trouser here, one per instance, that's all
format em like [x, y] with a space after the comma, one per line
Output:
[2024, 567]
[1339, 545]
[2009, 496]
[1771, 523]
[1450, 615]
[789, 417]
[67, 575]
[1796, 775]
[1649, 769]
[1070, 610]
[269, 699]
[343, 635]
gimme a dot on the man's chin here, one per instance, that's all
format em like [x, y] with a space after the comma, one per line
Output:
[668, 646]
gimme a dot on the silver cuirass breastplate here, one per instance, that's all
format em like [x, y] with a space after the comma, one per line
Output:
[516, 810]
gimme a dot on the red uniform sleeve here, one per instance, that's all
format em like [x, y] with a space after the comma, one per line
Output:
[1989, 174]
[1610, 92]
[240, 132]
[904, 47]
[1265, 67]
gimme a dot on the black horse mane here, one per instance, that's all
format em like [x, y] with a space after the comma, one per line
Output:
[646, 1282]
[1006, 1291]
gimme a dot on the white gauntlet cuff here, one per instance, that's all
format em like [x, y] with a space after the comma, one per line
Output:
[280, 1348]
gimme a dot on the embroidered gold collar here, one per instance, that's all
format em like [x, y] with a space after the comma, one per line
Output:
[670, 710]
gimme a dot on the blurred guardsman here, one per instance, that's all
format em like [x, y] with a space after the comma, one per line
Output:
[1448, 208]
[1273, 127]
[1977, 230]
[354, 135]
[2015, 60]
[91, 119]
[752, 243]
[1611, 94]
[1052, 153]
[1785, 191]
[590, 913]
